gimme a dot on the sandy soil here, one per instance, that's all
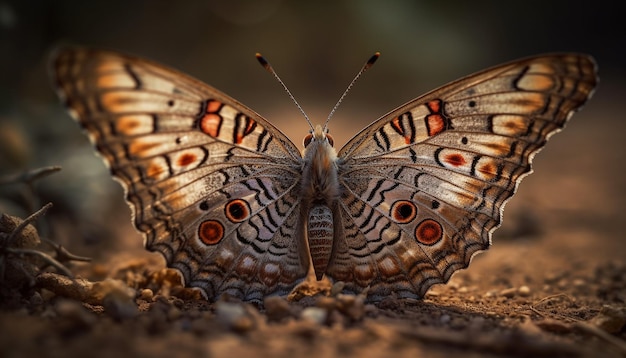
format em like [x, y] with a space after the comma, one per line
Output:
[553, 284]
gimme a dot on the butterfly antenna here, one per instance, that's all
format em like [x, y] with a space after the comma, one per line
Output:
[270, 69]
[365, 67]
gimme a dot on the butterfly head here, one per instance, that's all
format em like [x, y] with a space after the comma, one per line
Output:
[318, 135]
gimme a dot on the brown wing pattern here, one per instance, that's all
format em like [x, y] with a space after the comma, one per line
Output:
[213, 185]
[425, 185]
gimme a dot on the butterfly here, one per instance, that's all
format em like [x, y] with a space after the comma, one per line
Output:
[239, 210]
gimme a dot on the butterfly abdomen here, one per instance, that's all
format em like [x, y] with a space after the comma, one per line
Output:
[320, 232]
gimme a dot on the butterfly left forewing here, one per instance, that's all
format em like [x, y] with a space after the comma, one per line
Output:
[213, 185]
[424, 186]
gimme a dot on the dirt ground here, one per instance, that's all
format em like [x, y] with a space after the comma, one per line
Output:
[553, 283]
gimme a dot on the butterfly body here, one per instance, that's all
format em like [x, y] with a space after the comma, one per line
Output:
[234, 205]
[320, 195]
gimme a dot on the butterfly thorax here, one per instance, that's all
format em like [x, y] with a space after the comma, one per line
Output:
[320, 192]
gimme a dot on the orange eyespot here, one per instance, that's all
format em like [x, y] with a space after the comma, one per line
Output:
[403, 211]
[330, 139]
[237, 210]
[428, 232]
[308, 139]
[211, 232]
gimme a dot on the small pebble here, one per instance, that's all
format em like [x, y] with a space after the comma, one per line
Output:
[553, 277]
[351, 306]
[47, 295]
[146, 294]
[75, 312]
[328, 303]
[529, 327]
[524, 291]
[199, 327]
[610, 319]
[228, 312]
[119, 307]
[276, 308]
[337, 288]
[234, 316]
[243, 324]
[36, 299]
[118, 299]
[314, 314]
[173, 314]
[509, 292]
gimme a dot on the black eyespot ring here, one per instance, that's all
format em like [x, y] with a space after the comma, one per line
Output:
[403, 211]
[237, 210]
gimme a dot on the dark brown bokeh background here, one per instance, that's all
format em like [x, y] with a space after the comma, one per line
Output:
[562, 232]
[316, 47]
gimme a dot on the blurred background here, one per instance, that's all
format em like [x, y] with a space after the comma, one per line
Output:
[316, 47]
